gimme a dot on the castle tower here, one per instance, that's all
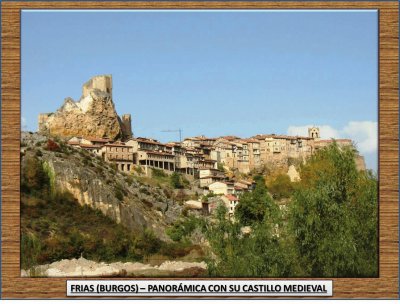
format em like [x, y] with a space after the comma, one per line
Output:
[313, 132]
[126, 126]
[101, 82]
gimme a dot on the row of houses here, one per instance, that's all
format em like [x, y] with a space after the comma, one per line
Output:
[208, 207]
[247, 154]
[150, 153]
[227, 192]
[202, 157]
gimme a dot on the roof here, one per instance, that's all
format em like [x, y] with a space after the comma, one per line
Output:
[208, 160]
[103, 140]
[250, 140]
[149, 141]
[231, 197]
[211, 169]
[230, 137]
[117, 145]
[159, 153]
[264, 136]
[90, 146]
[245, 182]
[212, 176]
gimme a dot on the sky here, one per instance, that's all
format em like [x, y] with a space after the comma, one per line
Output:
[211, 73]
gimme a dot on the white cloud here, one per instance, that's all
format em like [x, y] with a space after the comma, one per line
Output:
[363, 133]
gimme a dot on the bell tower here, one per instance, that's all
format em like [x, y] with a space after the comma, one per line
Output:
[313, 132]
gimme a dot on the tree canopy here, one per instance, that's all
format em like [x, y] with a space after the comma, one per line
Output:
[333, 216]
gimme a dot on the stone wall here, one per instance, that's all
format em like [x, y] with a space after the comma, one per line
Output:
[101, 82]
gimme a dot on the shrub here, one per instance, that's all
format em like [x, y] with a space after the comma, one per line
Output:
[181, 196]
[52, 145]
[144, 190]
[158, 173]
[118, 192]
[281, 187]
[33, 176]
[138, 169]
[182, 228]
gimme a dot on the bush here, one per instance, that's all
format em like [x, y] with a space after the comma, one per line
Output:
[139, 169]
[52, 146]
[182, 228]
[181, 196]
[158, 173]
[178, 181]
[34, 177]
[129, 180]
[119, 192]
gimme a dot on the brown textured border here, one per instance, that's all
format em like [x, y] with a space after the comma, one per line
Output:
[386, 286]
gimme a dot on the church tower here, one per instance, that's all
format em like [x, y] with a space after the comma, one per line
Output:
[313, 132]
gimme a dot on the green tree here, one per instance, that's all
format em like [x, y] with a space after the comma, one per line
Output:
[331, 207]
[281, 187]
[176, 181]
[254, 206]
[261, 253]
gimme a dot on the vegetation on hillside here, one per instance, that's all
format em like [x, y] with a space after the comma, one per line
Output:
[54, 226]
[329, 230]
[327, 227]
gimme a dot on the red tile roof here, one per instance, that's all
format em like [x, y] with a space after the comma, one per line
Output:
[231, 197]
[103, 140]
[117, 145]
[89, 146]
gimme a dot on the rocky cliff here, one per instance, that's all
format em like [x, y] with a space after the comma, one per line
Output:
[93, 115]
[97, 184]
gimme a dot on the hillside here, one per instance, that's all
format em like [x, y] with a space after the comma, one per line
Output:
[74, 204]
[97, 184]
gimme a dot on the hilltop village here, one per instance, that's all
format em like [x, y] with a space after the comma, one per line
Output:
[92, 124]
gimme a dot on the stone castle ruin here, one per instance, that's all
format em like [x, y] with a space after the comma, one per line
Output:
[93, 115]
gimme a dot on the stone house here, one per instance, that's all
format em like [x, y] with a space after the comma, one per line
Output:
[222, 188]
[120, 154]
[208, 176]
[158, 160]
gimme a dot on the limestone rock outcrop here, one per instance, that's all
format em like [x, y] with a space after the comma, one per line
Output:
[94, 115]
[96, 183]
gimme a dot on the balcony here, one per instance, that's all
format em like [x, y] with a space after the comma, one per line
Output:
[120, 157]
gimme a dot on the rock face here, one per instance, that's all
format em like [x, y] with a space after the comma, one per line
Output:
[93, 115]
[86, 268]
[95, 183]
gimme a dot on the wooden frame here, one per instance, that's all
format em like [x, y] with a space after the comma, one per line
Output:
[386, 286]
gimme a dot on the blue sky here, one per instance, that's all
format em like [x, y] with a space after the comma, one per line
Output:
[211, 72]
